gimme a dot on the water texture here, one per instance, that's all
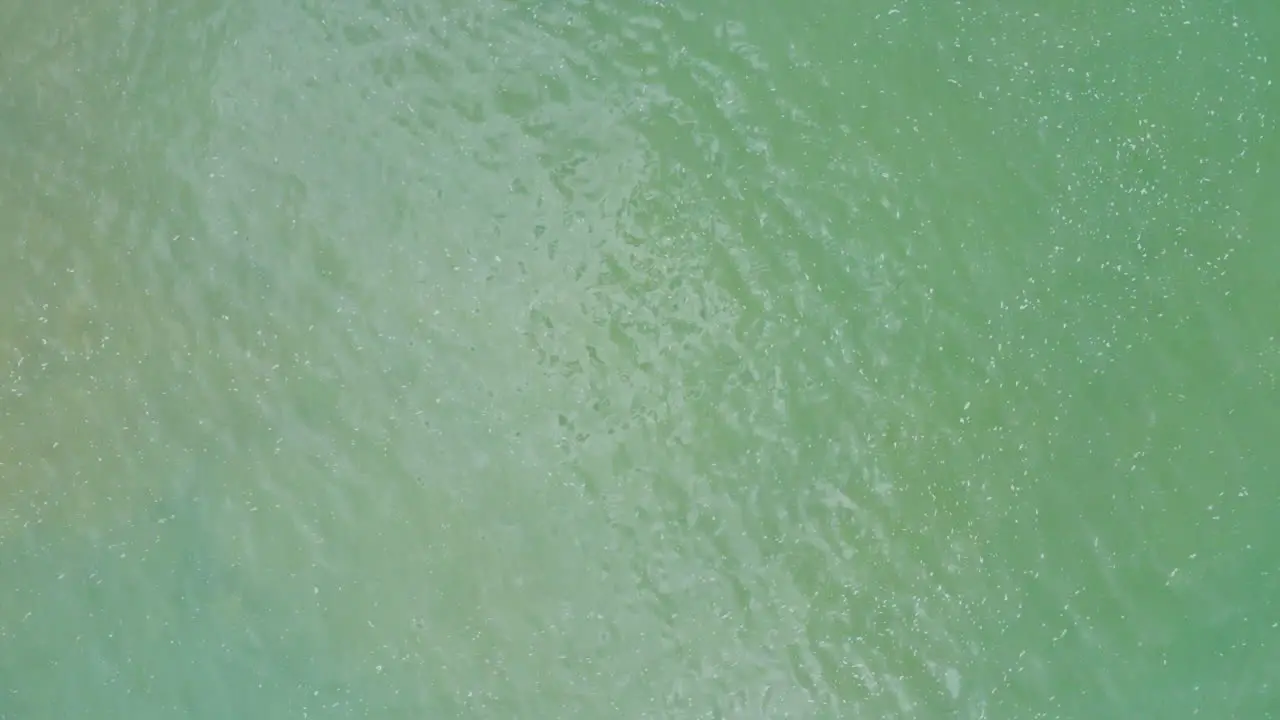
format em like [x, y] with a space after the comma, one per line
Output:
[679, 359]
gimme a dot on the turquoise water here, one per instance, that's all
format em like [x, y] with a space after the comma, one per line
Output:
[637, 360]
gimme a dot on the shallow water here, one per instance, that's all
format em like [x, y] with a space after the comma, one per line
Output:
[653, 359]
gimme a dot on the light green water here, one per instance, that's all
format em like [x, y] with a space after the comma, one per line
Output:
[682, 359]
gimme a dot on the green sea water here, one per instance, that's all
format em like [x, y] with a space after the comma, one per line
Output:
[639, 359]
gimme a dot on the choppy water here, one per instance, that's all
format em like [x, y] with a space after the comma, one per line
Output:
[639, 360]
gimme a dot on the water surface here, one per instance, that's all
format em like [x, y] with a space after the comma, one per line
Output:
[644, 359]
